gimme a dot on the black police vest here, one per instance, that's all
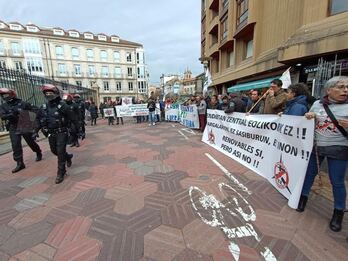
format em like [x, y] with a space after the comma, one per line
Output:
[13, 109]
[53, 117]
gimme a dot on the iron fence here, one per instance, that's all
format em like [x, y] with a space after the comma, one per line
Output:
[27, 87]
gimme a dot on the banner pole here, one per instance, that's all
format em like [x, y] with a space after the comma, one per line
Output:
[264, 95]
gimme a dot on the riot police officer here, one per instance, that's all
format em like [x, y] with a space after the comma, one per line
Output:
[73, 129]
[81, 106]
[9, 112]
[53, 120]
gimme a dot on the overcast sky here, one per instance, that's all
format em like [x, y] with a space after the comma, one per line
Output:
[168, 29]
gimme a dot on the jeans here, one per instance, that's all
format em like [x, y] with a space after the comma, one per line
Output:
[152, 116]
[337, 169]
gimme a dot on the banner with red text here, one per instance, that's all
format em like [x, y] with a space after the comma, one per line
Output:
[277, 148]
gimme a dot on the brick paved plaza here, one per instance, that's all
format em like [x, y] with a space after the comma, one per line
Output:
[127, 198]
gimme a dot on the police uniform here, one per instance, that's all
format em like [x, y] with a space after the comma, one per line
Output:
[9, 112]
[74, 127]
[54, 118]
[81, 107]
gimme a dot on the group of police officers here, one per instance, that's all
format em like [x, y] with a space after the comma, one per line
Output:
[61, 120]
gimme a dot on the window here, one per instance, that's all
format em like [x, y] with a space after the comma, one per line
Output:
[242, 12]
[105, 71]
[34, 64]
[224, 31]
[31, 46]
[33, 29]
[117, 72]
[2, 48]
[142, 87]
[115, 39]
[141, 72]
[61, 69]
[130, 71]
[19, 65]
[74, 34]
[91, 70]
[106, 86]
[79, 83]
[118, 86]
[130, 86]
[88, 36]
[116, 57]
[75, 53]
[16, 48]
[59, 52]
[103, 56]
[129, 57]
[58, 32]
[90, 55]
[102, 37]
[249, 49]
[230, 59]
[338, 6]
[16, 27]
[2, 64]
[77, 69]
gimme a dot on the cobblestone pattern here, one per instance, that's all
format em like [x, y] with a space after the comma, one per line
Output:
[126, 198]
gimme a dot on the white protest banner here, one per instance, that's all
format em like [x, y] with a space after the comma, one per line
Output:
[172, 112]
[109, 112]
[132, 110]
[277, 148]
[158, 109]
[189, 116]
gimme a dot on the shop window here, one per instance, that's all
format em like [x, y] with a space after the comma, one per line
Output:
[338, 6]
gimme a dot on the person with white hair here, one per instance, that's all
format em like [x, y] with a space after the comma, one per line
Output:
[331, 139]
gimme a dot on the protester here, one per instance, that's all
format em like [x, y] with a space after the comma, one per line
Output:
[101, 109]
[213, 103]
[118, 103]
[202, 110]
[297, 100]
[331, 143]
[236, 103]
[111, 119]
[9, 112]
[276, 98]
[151, 105]
[94, 113]
[256, 105]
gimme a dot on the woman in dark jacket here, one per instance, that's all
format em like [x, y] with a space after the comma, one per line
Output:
[297, 100]
[94, 113]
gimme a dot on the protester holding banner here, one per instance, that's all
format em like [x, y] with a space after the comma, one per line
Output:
[119, 102]
[213, 103]
[10, 112]
[256, 106]
[275, 98]
[202, 110]
[297, 100]
[331, 115]
[109, 112]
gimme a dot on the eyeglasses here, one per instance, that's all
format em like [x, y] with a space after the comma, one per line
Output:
[341, 87]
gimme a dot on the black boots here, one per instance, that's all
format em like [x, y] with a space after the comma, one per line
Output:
[19, 167]
[336, 220]
[68, 160]
[38, 156]
[302, 203]
[60, 178]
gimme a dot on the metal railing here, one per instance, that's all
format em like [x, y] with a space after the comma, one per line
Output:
[27, 86]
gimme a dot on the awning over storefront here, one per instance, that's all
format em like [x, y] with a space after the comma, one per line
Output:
[264, 83]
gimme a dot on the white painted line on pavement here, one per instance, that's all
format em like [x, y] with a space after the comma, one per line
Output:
[183, 135]
[173, 125]
[189, 131]
[228, 174]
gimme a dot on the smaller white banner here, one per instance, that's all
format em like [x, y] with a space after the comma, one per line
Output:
[172, 112]
[189, 116]
[109, 112]
[132, 110]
